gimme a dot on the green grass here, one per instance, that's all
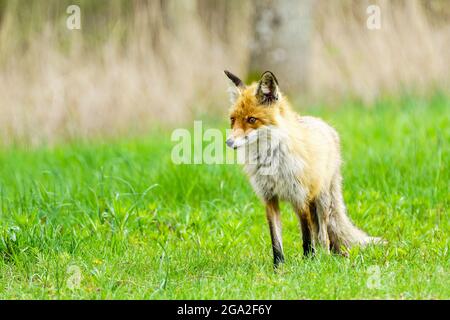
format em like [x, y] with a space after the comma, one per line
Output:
[137, 226]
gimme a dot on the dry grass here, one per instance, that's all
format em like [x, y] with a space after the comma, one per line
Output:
[410, 52]
[65, 84]
[136, 64]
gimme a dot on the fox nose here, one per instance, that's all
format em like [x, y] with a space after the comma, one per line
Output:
[230, 142]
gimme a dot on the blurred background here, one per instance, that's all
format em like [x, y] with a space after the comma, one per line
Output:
[139, 64]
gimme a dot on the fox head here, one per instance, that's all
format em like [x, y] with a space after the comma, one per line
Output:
[254, 108]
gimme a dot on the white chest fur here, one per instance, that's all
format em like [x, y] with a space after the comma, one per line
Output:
[273, 169]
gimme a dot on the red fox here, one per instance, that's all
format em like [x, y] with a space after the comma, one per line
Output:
[306, 152]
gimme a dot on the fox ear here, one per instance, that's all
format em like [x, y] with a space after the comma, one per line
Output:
[235, 88]
[267, 91]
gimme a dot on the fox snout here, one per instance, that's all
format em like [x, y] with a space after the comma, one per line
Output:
[235, 143]
[239, 141]
[236, 138]
[230, 143]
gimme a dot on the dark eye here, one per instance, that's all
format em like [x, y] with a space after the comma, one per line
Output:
[251, 120]
[232, 119]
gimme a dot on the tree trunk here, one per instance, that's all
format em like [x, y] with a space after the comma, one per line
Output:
[281, 41]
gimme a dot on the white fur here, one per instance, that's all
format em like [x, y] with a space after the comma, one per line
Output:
[271, 168]
[233, 92]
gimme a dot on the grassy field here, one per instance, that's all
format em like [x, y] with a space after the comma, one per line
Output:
[117, 220]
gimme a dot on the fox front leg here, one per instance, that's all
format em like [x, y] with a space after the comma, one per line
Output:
[274, 220]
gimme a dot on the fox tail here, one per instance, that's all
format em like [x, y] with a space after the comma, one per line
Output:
[342, 232]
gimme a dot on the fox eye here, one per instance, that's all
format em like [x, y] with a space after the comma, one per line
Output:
[232, 119]
[251, 120]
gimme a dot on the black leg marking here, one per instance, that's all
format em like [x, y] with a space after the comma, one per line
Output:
[273, 219]
[308, 249]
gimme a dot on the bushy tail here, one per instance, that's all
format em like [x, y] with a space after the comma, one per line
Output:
[342, 232]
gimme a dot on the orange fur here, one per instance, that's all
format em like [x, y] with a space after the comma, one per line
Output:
[303, 140]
